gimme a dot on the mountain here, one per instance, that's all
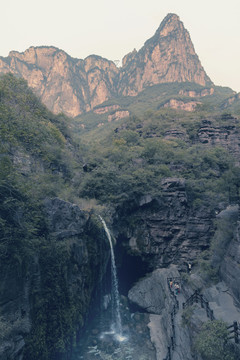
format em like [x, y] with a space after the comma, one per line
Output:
[167, 57]
[74, 86]
[63, 84]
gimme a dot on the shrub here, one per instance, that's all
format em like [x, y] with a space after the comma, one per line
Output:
[212, 342]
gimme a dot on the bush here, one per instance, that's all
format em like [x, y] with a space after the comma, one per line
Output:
[212, 342]
[187, 315]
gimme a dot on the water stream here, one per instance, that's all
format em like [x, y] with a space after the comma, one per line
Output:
[115, 297]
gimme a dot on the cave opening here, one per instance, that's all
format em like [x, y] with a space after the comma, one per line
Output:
[130, 268]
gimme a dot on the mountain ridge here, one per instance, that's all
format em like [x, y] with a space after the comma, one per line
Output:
[74, 86]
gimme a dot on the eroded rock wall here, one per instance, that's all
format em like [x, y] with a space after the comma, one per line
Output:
[164, 230]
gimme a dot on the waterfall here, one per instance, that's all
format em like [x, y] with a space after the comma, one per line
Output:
[115, 293]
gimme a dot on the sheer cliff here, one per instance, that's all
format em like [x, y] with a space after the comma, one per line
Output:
[167, 57]
[63, 84]
[74, 86]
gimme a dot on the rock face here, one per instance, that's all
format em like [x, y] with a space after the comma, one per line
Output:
[163, 230]
[64, 84]
[118, 115]
[15, 310]
[193, 94]
[167, 57]
[178, 104]
[226, 136]
[154, 297]
[150, 293]
[74, 86]
[232, 101]
[68, 226]
[230, 267]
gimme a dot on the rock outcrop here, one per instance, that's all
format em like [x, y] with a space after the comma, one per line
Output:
[154, 297]
[117, 115]
[226, 136]
[230, 266]
[73, 86]
[164, 230]
[181, 105]
[193, 93]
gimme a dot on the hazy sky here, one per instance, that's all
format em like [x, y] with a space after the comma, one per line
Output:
[111, 29]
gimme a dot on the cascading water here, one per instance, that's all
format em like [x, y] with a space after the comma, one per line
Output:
[116, 316]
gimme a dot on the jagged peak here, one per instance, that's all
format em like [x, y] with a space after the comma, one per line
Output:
[31, 49]
[170, 23]
[170, 17]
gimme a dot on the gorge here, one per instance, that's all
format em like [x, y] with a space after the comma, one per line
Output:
[165, 180]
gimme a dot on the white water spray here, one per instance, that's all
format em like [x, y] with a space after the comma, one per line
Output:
[117, 326]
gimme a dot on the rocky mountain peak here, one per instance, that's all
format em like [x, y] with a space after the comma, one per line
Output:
[167, 57]
[170, 23]
[74, 86]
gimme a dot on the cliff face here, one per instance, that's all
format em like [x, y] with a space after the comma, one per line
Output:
[74, 86]
[68, 270]
[63, 84]
[164, 230]
[167, 57]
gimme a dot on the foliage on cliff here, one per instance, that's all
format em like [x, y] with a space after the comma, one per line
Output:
[36, 143]
[36, 161]
[134, 157]
[212, 342]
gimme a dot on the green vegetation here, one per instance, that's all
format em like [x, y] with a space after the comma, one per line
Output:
[56, 313]
[40, 158]
[153, 98]
[212, 342]
[35, 162]
[132, 160]
[187, 315]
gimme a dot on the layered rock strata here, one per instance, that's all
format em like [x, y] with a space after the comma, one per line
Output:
[164, 230]
[226, 136]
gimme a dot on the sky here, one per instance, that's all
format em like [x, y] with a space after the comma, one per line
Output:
[112, 29]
